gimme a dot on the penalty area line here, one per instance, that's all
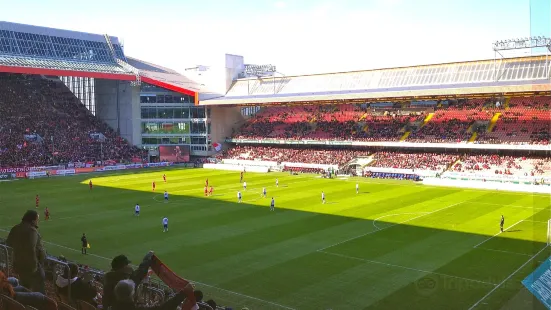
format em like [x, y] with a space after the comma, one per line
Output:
[507, 279]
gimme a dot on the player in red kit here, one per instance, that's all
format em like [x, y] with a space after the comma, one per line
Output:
[211, 190]
[206, 191]
[153, 185]
[37, 201]
[207, 182]
[164, 177]
[90, 184]
[47, 213]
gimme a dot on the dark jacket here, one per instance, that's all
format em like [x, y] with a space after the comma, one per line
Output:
[27, 246]
[114, 276]
[80, 290]
[170, 304]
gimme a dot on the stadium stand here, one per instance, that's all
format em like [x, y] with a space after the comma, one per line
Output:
[294, 155]
[416, 161]
[43, 123]
[503, 165]
[524, 121]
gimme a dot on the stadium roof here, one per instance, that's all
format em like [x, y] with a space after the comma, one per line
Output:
[526, 74]
[165, 78]
[40, 50]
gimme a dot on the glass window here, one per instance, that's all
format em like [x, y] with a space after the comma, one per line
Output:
[160, 98]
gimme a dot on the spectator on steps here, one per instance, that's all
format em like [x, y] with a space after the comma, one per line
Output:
[29, 254]
[121, 270]
[11, 288]
[126, 289]
[79, 289]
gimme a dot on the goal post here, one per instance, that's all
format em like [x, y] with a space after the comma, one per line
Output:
[548, 232]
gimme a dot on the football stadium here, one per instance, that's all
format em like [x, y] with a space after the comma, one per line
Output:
[125, 183]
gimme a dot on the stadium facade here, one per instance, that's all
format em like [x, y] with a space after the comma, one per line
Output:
[150, 105]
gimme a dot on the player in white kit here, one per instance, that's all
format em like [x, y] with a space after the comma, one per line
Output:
[277, 183]
[245, 185]
[137, 210]
[238, 196]
[264, 192]
[165, 224]
[323, 197]
[272, 205]
[357, 188]
[166, 196]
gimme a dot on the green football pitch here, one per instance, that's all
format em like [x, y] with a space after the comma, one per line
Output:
[394, 245]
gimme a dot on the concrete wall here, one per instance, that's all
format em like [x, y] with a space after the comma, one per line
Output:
[218, 78]
[124, 117]
[223, 120]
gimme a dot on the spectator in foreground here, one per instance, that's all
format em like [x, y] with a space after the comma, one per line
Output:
[79, 288]
[121, 270]
[125, 291]
[29, 254]
[10, 287]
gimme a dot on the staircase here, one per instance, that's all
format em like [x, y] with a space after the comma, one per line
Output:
[427, 119]
[405, 136]
[506, 104]
[473, 137]
[493, 122]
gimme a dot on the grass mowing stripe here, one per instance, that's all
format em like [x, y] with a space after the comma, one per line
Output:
[502, 251]
[499, 233]
[407, 268]
[387, 227]
[506, 279]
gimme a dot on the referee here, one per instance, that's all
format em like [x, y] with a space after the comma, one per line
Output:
[84, 243]
[501, 223]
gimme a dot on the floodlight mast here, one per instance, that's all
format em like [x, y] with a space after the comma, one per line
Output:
[502, 46]
[261, 71]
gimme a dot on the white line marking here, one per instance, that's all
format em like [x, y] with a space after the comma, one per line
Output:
[375, 220]
[511, 206]
[387, 227]
[544, 222]
[502, 251]
[407, 268]
[506, 279]
[499, 233]
[200, 283]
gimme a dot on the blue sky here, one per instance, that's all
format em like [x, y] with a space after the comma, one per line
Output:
[299, 36]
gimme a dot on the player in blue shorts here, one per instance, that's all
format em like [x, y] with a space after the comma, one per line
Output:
[137, 210]
[166, 196]
[272, 205]
[264, 192]
[165, 224]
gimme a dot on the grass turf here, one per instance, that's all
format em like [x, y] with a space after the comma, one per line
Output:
[395, 245]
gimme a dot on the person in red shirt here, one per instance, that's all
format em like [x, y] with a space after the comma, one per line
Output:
[153, 185]
[207, 182]
[211, 190]
[164, 177]
[47, 213]
[206, 191]
[37, 201]
[90, 184]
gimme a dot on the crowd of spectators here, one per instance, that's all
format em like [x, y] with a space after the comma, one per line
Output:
[44, 282]
[523, 121]
[43, 123]
[415, 161]
[293, 155]
[503, 165]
